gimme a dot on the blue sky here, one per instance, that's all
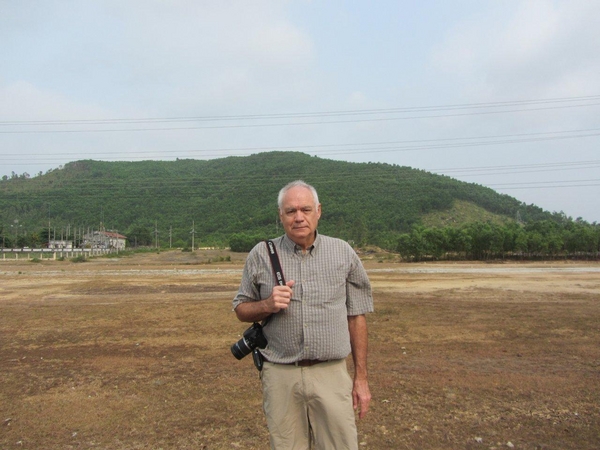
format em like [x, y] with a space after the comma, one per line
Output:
[501, 93]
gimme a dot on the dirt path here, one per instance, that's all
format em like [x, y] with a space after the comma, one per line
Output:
[133, 353]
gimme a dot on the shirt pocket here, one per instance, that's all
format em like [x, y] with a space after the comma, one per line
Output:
[329, 284]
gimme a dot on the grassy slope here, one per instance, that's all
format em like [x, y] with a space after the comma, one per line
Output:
[237, 194]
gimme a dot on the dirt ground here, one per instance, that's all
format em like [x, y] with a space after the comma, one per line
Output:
[133, 353]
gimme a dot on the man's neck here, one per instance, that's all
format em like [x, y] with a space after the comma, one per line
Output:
[305, 244]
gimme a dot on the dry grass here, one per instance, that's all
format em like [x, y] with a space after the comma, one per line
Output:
[134, 354]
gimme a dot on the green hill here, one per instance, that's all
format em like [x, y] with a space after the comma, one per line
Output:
[366, 202]
[463, 212]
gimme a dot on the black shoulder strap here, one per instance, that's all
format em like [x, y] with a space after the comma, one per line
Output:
[275, 262]
[276, 265]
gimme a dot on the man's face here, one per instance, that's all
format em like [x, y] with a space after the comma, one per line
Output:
[300, 216]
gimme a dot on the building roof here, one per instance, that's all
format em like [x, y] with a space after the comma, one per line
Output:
[110, 234]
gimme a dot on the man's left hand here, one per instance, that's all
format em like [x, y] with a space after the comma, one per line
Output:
[361, 397]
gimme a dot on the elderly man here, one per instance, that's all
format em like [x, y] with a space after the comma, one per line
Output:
[316, 320]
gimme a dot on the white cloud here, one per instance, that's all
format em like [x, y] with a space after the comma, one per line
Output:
[24, 101]
[217, 53]
[156, 58]
[181, 57]
[543, 49]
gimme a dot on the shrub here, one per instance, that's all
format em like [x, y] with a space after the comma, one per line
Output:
[243, 242]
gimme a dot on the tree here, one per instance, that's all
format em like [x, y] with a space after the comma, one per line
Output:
[7, 242]
[35, 240]
[414, 244]
[404, 246]
[139, 235]
[4, 239]
[521, 242]
[22, 241]
[536, 244]
[459, 241]
[498, 236]
[481, 238]
[243, 243]
[359, 232]
[44, 236]
[435, 242]
[555, 243]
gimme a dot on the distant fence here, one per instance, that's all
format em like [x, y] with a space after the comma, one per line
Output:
[51, 253]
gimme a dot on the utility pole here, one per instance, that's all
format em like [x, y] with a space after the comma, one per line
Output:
[170, 235]
[156, 233]
[193, 232]
[16, 233]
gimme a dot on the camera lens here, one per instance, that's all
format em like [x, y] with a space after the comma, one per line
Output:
[240, 349]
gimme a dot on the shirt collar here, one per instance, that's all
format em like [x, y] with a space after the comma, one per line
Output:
[293, 247]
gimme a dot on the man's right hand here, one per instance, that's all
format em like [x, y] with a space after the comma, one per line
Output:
[256, 311]
[280, 297]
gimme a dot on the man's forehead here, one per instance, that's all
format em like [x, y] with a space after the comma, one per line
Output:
[298, 196]
[298, 204]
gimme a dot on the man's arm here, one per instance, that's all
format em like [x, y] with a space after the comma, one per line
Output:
[259, 310]
[361, 395]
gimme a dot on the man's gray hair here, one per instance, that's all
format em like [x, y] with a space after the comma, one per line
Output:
[293, 184]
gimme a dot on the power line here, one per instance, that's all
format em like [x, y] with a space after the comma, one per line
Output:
[546, 182]
[520, 169]
[365, 147]
[462, 172]
[554, 186]
[307, 114]
[190, 186]
[470, 111]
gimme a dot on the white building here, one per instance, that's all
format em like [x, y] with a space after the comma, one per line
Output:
[104, 240]
[59, 244]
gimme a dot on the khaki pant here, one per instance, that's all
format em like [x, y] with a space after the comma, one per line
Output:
[309, 405]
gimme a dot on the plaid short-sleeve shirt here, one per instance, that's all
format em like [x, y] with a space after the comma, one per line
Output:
[330, 285]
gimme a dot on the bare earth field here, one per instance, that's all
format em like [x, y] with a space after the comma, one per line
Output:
[133, 353]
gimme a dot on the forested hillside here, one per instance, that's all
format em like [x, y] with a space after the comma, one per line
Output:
[363, 202]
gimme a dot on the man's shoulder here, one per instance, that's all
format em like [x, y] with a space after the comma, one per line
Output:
[261, 247]
[332, 244]
[328, 240]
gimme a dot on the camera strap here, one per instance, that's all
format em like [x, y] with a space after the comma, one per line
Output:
[275, 263]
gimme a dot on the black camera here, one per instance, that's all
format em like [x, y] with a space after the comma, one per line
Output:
[252, 339]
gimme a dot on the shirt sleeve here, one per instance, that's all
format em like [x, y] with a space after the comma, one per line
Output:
[248, 291]
[359, 295]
